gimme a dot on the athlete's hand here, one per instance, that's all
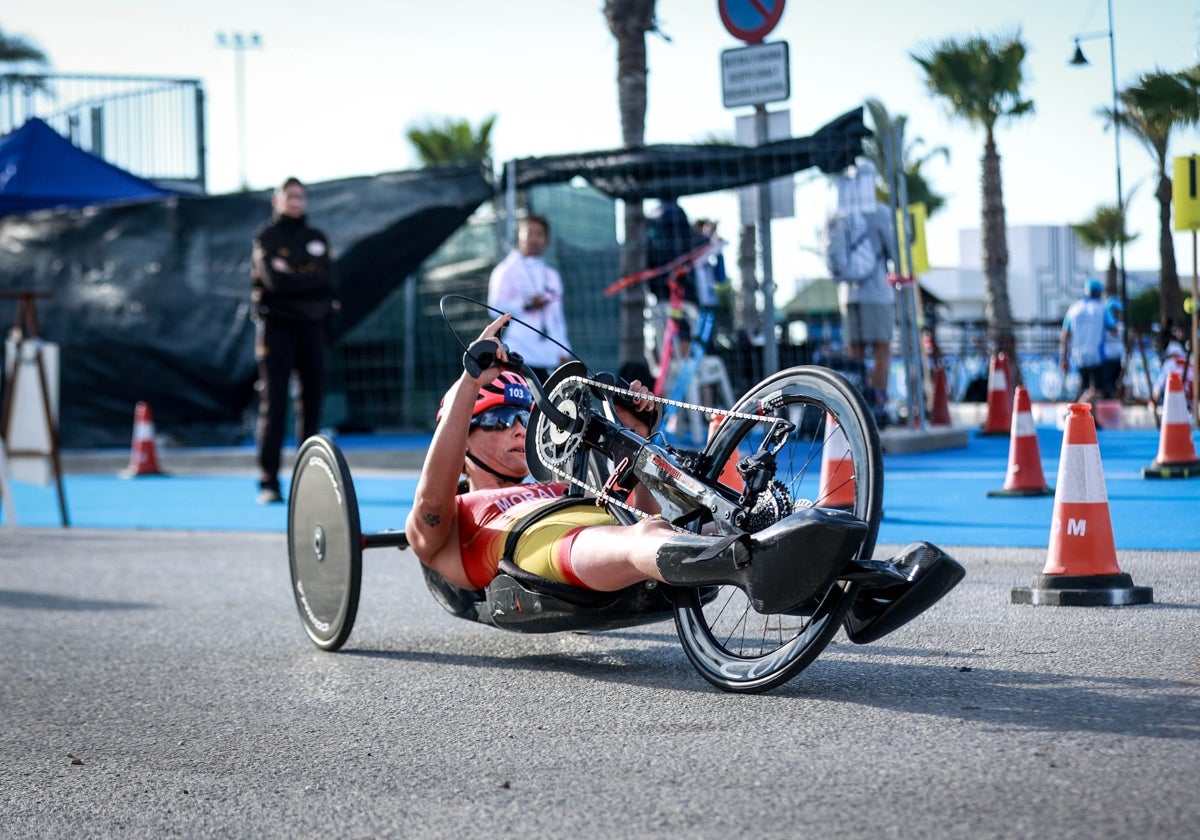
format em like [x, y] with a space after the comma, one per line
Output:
[638, 414]
[480, 360]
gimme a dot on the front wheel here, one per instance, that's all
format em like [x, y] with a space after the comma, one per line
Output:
[832, 458]
[324, 543]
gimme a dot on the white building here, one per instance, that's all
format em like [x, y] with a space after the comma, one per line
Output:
[1047, 267]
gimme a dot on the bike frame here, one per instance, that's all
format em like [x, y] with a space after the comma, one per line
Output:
[683, 496]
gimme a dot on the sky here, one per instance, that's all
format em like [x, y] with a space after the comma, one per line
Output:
[334, 86]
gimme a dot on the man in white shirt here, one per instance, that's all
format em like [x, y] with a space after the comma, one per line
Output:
[524, 285]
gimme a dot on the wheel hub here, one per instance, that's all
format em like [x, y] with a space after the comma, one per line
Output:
[318, 543]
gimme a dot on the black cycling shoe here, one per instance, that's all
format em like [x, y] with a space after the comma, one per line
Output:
[778, 567]
[913, 581]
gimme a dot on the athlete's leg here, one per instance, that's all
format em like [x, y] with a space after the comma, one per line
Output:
[611, 557]
[608, 557]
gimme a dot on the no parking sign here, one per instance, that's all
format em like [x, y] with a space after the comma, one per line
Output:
[750, 20]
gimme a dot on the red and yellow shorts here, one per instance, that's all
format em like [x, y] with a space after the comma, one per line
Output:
[546, 543]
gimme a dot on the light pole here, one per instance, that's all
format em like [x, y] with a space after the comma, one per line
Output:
[239, 43]
[1078, 59]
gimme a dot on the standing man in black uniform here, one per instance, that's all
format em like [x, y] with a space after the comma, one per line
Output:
[293, 295]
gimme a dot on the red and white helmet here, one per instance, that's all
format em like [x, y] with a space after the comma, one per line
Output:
[506, 389]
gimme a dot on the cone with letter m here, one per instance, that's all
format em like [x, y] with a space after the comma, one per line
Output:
[1081, 564]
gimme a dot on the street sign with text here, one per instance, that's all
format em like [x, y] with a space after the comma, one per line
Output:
[755, 75]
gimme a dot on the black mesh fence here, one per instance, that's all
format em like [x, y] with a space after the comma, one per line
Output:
[391, 370]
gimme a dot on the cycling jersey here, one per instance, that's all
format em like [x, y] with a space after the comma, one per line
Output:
[485, 518]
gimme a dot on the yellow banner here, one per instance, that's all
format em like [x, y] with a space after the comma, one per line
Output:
[1185, 192]
[916, 222]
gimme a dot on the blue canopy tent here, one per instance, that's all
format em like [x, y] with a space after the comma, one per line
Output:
[39, 168]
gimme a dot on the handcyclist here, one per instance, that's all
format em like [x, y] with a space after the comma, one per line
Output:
[460, 532]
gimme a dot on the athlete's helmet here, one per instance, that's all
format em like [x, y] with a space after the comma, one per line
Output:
[506, 389]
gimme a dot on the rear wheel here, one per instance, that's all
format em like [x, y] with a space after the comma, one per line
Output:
[324, 543]
[733, 646]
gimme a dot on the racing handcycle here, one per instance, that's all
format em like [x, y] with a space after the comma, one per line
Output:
[798, 456]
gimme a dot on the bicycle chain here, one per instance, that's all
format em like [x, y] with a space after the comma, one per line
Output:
[599, 492]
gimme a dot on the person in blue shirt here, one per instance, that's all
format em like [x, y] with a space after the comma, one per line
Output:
[1083, 334]
[1113, 364]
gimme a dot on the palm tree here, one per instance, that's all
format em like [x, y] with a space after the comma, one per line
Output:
[919, 190]
[629, 21]
[1106, 229]
[1150, 110]
[450, 140]
[15, 51]
[980, 79]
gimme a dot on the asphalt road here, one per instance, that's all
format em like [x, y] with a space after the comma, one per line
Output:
[159, 684]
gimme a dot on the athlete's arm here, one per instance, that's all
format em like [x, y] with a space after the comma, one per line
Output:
[432, 521]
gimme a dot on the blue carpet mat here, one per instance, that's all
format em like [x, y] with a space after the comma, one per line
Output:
[936, 496]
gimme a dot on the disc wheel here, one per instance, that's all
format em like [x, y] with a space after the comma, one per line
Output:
[731, 645]
[324, 543]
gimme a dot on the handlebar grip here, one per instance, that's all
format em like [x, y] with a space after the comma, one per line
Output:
[481, 355]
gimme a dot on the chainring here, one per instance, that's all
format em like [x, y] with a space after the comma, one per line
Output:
[550, 449]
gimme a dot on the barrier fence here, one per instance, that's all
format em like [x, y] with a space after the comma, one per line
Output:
[148, 125]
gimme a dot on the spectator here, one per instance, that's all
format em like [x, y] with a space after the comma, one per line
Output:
[1113, 364]
[1082, 341]
[529, 289]
[293, 295]
[1175, 358]
[709, 272]
[670, 236]
[868, 308]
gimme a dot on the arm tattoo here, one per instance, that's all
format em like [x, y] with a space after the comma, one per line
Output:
[431, 519]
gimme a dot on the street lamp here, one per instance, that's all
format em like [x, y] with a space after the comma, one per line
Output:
[1079, 59]
[239, 44]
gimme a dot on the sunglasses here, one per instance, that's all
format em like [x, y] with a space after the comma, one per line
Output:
[499, 418]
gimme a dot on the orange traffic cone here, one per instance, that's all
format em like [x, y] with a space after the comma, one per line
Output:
[730, 477]
[1176, 451]
[1024, 477]
[143, 459]
[999, 414]
[837, 468]
[1081, 564]
[939, 412]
